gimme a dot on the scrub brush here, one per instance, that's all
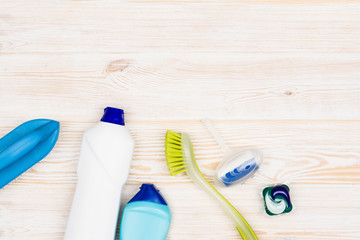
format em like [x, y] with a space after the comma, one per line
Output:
[180, 158]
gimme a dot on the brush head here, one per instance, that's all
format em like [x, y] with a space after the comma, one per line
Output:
[174, 153]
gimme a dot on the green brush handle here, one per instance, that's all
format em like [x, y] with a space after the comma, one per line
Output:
[195, 174]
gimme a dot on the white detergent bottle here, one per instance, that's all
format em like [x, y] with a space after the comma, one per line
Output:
[103, 168]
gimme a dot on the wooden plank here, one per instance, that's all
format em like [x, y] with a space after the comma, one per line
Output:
[301, 152]
[235, 28]
[320, 160]
[320, 212]
[225, 87]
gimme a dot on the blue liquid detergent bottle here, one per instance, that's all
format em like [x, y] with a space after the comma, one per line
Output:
[146, 216]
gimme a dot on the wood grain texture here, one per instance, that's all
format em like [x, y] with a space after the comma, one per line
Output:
[278, 75]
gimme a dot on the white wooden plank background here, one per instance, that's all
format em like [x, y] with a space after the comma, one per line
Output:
[281, 75]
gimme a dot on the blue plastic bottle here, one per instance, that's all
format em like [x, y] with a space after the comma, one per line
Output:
[146, 216]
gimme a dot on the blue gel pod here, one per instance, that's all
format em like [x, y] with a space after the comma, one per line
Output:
[238, 166]
[26, 145]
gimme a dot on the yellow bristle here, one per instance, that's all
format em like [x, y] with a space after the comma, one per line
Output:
[173, 153]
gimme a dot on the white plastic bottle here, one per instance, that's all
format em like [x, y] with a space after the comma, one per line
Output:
[103, 167]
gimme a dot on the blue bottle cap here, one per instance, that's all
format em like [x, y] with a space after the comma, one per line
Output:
[148, 192]
[113, 115]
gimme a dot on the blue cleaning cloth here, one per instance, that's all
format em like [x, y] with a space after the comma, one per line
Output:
[26, 145]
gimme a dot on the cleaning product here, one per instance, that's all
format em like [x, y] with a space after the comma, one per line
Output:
[25, 146]
[103, 167]
[146, 216]
[180, 158]
[277, 199]
[238, 164]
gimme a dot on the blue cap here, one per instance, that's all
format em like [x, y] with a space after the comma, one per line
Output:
[149, 193]
[113, 115]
